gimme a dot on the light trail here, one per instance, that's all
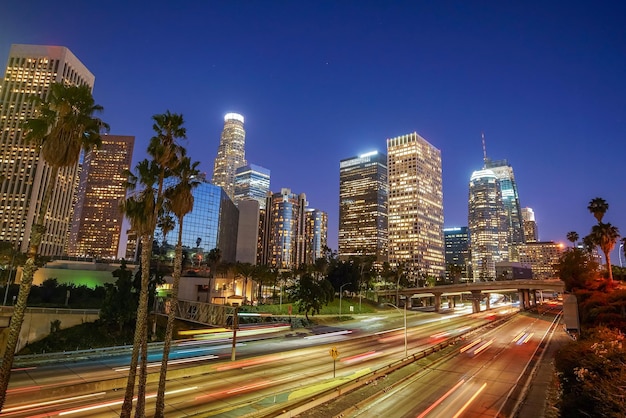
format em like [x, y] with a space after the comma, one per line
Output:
[441, 399]
[458, 414]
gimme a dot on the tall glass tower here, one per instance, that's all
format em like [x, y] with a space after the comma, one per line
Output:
[487, 224]
[316, 231]
[415, 206]
[284, 233]
[252, 182]
[231, 153]
[510, 199]
[97, 220]
[30, 70]
[363, 206]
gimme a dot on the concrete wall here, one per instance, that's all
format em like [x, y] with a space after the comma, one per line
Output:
[37, 321]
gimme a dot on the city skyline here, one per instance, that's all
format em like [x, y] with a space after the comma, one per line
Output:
[320, 82]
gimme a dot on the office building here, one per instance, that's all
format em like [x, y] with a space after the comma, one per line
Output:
[363, 192]
[529, 225]
[231, 153]
[213, 223]
[252, 182]
[284, 239]
[487, 225]
[316, 233]
[457, 250]
[30, 70]
[415, 221]
[249, 231]
[97, 220]
[542, 256]
[510, 198]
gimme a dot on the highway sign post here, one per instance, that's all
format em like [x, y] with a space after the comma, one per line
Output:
[334, 354]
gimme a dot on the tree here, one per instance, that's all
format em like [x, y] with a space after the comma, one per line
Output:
[65, 124]
[598, 208]
[119, 307]
[576, 268]
[311, 295]
[179, 199]
[246, 271]
[214, 258]
[572, 236]
[165, 155]
[605, 236]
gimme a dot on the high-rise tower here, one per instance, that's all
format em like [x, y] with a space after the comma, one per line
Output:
[252, 182]
[284, 229]
[510, 199]
[529, 225]
[487, 224]
[30, 70]
[415, 206]
[363, 206]
[231, 153]
[97, 220]
[316, 231]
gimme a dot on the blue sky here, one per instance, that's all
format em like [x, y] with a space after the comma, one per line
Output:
[320, 81]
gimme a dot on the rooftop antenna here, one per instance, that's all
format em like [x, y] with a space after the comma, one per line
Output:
[484, 149]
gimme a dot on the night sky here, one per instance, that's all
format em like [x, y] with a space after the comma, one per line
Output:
[321, 81]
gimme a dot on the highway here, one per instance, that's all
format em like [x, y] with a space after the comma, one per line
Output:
[205, 382]
[476, 380]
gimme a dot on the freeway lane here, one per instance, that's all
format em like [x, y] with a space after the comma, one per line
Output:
[289, 363]
[475, 382]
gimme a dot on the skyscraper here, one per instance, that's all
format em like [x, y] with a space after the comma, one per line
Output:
[284, 236]
[316, 231]
[30, 70]
[252, 182]
[97, 220]
[510, 199]
[231, 153]
[487, 224]
[363, 196]
[457, 249]
[415, 206]
[529, 225]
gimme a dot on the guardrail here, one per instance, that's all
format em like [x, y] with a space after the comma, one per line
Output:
[62, 311]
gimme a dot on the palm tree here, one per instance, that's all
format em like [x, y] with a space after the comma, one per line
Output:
[179, 199]
[139, 210]
[65, 124]
[166, 154]
[214, 258]
[245, 270]
[573, 237]
[598, 208]
[605, 236]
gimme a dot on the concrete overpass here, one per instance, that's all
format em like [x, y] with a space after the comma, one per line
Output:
[476, 291]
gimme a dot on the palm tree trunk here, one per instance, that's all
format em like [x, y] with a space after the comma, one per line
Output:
[169, 331]
[146, 249]
[609, 267]
[36, 236]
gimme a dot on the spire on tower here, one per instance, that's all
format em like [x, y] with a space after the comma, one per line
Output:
[484, 149]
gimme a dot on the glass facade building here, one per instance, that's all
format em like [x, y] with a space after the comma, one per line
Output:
[363, 193]
[30, 70]
[212, 223]
[316, 232]
[415, 221]
[97, 220]
[457, 248]
[284, 238]
[510, 199]
[231, 153]
[529, 225]
[252, 182]
[487, 223]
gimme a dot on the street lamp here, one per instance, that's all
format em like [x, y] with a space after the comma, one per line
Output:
[405, 338]
[619, 253]
[340, 294]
